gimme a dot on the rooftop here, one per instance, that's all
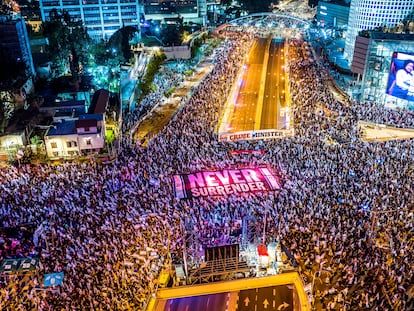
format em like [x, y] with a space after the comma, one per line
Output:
[99, 101]
[338, 2]
[65, 127]
[86, 123]
[64, 104]
[91, 116]
[392, 36]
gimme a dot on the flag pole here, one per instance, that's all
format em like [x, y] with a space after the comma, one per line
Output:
[264, 229]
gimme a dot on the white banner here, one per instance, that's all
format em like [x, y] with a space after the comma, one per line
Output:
[254, 135]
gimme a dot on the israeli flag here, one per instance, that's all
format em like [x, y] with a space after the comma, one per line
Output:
[53, 279]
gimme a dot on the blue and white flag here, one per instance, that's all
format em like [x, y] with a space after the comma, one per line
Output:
[53, 279]
[37, 234]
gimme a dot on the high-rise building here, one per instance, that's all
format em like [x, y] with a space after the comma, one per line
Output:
[371, 14]
[14, 42]
[332, 14]
[100, 17]
[189, 10]
[376, 60]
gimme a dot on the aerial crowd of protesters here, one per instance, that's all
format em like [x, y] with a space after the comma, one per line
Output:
[345, 210]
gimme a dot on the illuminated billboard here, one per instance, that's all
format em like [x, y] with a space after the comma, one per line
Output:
[401, 77]
[225, 182]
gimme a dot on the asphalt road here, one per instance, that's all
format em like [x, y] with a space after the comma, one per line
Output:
[279, 298]
[272, 298]
[215, 302]
[244, 112]
[274, 91]
[261, 89]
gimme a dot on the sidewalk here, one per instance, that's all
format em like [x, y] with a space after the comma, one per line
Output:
[161, 114]
[382, 132]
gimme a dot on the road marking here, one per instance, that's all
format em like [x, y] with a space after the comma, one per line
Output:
[283, 306]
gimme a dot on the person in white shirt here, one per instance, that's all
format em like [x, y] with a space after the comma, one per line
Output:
[404, 80]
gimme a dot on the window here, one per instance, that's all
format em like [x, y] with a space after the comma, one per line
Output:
[88, 142]
[53, 145]
[55, 154]
[71, 144]
[87, 129]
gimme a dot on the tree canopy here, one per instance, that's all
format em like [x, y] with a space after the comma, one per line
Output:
[171, 32]
[68, 42]
[119, 42]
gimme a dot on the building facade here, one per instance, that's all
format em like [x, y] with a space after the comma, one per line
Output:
[80, 136]
[14, 42]
[332, 14]
[102, 18]
[190, 10]
[372, 14]
[383, 52]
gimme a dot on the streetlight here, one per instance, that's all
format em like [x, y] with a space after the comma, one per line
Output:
[19, 155]
[319, 271]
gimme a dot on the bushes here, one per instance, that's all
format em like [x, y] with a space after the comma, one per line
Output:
[169, 92]
[145, 85]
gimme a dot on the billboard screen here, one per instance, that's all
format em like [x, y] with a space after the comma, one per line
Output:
[401, 77]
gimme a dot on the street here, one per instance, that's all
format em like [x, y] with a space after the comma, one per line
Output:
[274, 92]
[260, 90]
[266, 298]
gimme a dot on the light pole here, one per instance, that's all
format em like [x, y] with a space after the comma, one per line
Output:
[312, 289]
[19, 156]
[319, 271]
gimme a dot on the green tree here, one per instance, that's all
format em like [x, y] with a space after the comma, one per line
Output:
[225, 3]
[68, 42]
[59, 44]
[80, 47]
[100, 53]
[119, 43]
[36, 140]
[171, 33]
[7, 109]
[145, 85]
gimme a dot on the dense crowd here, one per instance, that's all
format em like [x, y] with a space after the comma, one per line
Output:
[111, 228]
[169, 79]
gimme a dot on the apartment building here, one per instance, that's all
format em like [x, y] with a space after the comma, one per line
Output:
[102, 18]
